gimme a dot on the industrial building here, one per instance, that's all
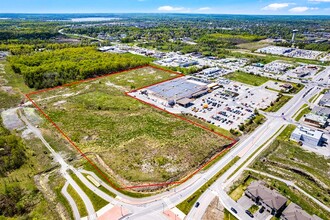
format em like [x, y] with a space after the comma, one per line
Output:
[307, 136]
[180, 91]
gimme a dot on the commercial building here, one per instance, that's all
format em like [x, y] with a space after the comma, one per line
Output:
[325, 100]
[316, 120]
[307, 136]
[322, 111]
[271, 200]
[179, 90]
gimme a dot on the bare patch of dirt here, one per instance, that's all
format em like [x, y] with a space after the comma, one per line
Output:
[215, 211]
[41, 182]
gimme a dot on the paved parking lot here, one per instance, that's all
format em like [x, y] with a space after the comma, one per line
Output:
[245, 202]
[226, 107]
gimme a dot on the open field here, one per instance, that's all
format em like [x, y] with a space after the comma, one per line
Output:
[287, 160]
[252, 46]
[247, 78]
[137, 142]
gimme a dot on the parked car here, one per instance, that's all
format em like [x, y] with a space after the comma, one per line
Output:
[262, 210]
[197, 204]
[249, 213]
[234, 210]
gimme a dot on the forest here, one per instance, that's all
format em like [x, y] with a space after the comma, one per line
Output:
[57, 67]
[12, 151]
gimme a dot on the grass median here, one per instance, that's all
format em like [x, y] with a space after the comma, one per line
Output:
[97, 201]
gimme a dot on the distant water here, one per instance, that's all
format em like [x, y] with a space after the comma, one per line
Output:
[93, 19]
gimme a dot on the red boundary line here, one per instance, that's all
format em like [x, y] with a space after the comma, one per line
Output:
[154, 106]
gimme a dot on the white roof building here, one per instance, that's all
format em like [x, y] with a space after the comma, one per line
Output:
[307, 136]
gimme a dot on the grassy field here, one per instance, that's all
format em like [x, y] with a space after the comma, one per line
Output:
[89, 167]
[102, 188]
[280, 102]
[78, 200]
[138, 142]
[97, 201]
[252, 46]
[237, 192]
[247, 78]
[187, 204]
[286, 159]
[12, 97]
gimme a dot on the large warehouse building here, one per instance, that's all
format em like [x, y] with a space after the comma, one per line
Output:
[180, 91]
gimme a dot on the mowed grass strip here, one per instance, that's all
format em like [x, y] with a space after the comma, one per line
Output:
[247, 78]
[279, 103]
[97, 201]
[187, 204]
[303, 112]
[138, 142]
[78, 200]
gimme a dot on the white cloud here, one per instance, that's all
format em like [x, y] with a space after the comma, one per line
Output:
[204, 9]
[301, 9]
[275, 6]
[319, 0]
[170, 8]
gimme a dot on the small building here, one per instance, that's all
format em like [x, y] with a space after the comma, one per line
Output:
[185, 102]
[295, 212]
[316, 120]
[270, 199]
[213, 86]
[307, 136]
[286, 86]
[210, 71]
[325, 100]
[322, 111]
[188, 63]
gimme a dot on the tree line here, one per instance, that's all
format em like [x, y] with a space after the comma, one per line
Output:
[57, 67]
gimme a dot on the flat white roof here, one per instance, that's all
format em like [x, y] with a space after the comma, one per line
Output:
[300, 130]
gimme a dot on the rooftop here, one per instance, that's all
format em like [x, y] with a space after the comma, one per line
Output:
[308, 131]
[295, 212]
[271, 197]
[176, 89]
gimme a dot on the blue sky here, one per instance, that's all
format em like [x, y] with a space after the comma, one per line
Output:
[274, 7]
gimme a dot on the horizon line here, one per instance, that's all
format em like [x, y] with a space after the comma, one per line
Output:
[165, 13]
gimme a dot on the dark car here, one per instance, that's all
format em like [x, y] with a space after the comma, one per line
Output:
[234, 210]
[249, 213]
[197, 204]
[261, 210]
